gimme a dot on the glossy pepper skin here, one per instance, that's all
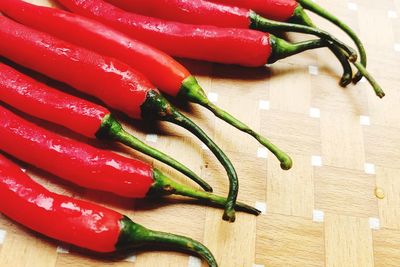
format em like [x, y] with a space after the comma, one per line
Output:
[204, 12]
[59, 217]
[41, 101]
[229, 46]
[187, 11]
[81, 164]
[161, 69]
[223, 45]
[78, 222]
[201, 12]
[281, 10]
[90, 167]
[96, 36]
[112, 81]
[83, 117]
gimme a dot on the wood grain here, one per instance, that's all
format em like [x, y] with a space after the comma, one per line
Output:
[316, 214]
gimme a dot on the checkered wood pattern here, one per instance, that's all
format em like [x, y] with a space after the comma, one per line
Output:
[323, 212]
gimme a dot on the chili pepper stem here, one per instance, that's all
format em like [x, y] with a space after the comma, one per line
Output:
[377, 88]
[315, 8]
[260, 23]
[347, 70]
[283, 49]
[157, 107]
[112, 129]
[301, 17]
[165, 186]
[135, 235]
[192, 91]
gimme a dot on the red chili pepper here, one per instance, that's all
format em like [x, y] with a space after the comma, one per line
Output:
[208, 13]
[105, 40]
[90, 167]
[161, 69]
[229, 46]
[204, 12]
[293, 10]
[106, 78]
[78, 222]
[81, 116]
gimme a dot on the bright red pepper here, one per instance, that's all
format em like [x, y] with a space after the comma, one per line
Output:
[90, 167]
[229, 46]
[103, 39]
[81, 116]
[189, 11]
[208, 13]
[204, 12]
[281, 10]
[118, 85]
[32, 205]
[110, 80]
[161, 69]
[78, 222]
[79, 163]
[39, 100]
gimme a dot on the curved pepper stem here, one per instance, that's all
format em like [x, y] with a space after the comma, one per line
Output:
[282, 49]
[260, 23]
[112, 129]
[133, 235]
[301, 17]
[347, 70]
[315, 8]
[157, 107]
[163, 185]
[192, 91]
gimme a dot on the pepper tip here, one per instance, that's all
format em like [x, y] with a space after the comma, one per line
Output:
[381, 94]
[286, 164]
[357, 78]
[345, 81]
[229, 216]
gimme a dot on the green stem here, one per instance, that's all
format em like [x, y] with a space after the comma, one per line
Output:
[133, 235]
[312, 6]
[192, 91]
[377, 88]
[347, 70]
[301, 17]
[112, 129]
[157, 107]
[165, 186]
[283, 49]
[260, 23]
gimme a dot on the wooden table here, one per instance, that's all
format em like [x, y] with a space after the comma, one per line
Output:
[345, 143]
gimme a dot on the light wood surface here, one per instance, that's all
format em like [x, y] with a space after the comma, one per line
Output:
[323, 212]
